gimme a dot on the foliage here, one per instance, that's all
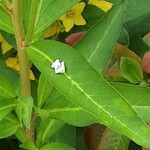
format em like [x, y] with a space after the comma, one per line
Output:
[74, 74]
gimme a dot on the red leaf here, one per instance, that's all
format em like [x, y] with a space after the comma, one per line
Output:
[145, 64]
[74, 38]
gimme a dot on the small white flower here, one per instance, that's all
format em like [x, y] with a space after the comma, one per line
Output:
[59, 67]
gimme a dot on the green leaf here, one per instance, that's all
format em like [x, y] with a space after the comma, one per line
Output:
[59, 107]
[98, 44]
[114, 141]
[28, 145]
[49, 11]
[137, 9]
[111, 109]
[6, 88]
[26, 8]
[44, 90]
[12, 76]
[8, 126]
[27, 105]
[21, 136]
[63, 135]
[5, 21]
[47, 128]
[57, 146]
[6, 106]
[124, 37]
[137, 96]
[131, 70]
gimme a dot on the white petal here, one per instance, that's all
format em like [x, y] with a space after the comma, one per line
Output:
[59, 67]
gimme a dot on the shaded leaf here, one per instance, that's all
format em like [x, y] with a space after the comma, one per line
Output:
[131, 70]
[57, 146]
[44, 90]
[47, 128]
[137, 9]
[66, 135]
[114, 141]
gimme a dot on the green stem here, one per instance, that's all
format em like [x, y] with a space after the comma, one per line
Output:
[19, 35]
[32, 19]
[22, 56]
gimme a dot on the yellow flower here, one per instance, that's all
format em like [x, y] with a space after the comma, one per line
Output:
[104, 5]
[13, 63]
[73, 16]
[4, 45]
[55, 28]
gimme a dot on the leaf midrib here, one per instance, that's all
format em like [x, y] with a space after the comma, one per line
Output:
[92, 54]
[49, 59]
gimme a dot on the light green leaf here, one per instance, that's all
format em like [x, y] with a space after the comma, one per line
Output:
[137, 9]
[6, 88]
[20, 134]
[59, 107]
[131, 70]
[44, 90]
[49, 11]
[8, 126]
[6, 106]
[98, 44]
[111, 109]
[5, 21]
[27, 105]
[114, 141]
[28, 145]
[57, 146]
[47, 128]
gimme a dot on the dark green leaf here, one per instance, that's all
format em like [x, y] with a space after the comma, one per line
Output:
[114, 141]
[57, 146]
[137, 8]
[44, 90]
[47, 128]
[63, 135]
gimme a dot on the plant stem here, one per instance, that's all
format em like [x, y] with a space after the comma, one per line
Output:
[32, 19]
[23, 59]
[19, 35]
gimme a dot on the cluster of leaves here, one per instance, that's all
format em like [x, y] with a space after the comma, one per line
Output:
[104, 83]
